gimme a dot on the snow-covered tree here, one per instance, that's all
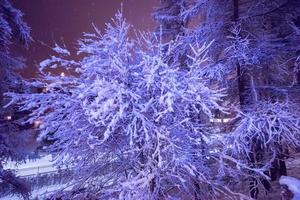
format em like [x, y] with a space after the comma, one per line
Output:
[126, 122]
[263, 45]
[172, 25]
[169, 16]
[12, 29]
[255, 41]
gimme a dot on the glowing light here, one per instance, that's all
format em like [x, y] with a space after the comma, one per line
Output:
[62, 74]
[8, 117]
[45, 89]
[220, 120]
[216, 120]
[226, 120]
[37, 123]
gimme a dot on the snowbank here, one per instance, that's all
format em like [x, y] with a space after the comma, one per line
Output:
[293, 184]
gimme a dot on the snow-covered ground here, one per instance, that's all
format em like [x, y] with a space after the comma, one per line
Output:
[293, 185]
[38, 193]
[33, 167]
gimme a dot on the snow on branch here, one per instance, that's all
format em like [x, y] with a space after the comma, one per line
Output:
[127, 124]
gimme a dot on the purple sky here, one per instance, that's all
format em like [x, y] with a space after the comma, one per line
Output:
[63, 21]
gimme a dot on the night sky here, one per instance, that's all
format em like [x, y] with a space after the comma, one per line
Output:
[64, 21]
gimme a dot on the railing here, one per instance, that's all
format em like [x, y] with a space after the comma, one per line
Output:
[40, 170]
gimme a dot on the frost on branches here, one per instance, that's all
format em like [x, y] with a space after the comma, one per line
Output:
[126, 122]
[169, 16]
[255, 57]
[268, 126]
[12, 30]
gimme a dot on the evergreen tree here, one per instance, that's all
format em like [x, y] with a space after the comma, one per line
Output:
[127, 123]
[256, 41]
[12, 29]
[123, 124]
[170, 18]
[265, 49]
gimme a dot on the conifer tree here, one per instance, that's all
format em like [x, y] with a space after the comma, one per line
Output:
[256, 41]
[254, 56]
[12, 30]
[123, 123]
